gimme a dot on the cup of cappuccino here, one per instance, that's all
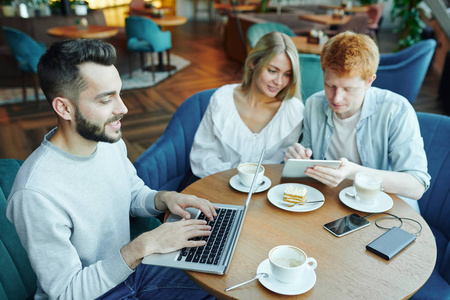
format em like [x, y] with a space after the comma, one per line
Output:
[367, 186]
[246, 171]
[287, 263]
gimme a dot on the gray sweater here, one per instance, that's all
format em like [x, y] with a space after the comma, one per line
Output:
[72, 216]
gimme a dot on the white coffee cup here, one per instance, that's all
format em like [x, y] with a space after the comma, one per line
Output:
[246, 171]
[367, 186]
[288, 263]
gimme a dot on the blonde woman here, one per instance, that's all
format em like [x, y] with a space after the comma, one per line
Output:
[265, 110]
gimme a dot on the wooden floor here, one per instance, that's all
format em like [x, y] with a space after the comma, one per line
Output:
[22, 126]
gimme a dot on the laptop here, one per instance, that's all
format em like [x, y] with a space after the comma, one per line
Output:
[215, 257]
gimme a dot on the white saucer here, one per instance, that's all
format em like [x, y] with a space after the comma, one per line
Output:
[275, 196]
[237, 185]
[304, 284]
[383, 202]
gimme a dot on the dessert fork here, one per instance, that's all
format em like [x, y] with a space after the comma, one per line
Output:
[307, 202]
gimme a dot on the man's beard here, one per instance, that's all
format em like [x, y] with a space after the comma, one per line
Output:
[94, 132]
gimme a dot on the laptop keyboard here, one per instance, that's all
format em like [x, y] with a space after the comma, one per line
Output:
[211, 252]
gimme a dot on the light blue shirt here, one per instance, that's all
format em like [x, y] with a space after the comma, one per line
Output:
[387, 133]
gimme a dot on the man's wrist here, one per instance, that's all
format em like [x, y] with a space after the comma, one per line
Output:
[132, 254]
[160, 203]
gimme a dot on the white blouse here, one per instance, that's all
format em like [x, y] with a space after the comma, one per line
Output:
[223, 141]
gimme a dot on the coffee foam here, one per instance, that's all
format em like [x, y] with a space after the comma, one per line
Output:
[288, 257]
[366, 186]
[288, 262]
[250, 169]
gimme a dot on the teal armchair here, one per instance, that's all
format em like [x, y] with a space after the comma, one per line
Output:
[27, 52]
[311, 74]
[256, 31]
[145, 36]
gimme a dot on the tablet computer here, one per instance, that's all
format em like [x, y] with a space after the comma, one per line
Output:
[295, 168]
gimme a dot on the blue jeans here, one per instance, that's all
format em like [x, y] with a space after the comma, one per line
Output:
[154, 282]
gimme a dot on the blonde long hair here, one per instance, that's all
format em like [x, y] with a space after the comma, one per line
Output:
[271, 44]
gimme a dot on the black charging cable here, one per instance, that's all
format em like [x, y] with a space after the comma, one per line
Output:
[393, 217]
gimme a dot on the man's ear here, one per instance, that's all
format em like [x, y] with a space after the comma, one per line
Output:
[64, 108]
[370, 81]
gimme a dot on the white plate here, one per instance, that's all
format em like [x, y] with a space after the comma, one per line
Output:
[382, 202]
[275, 196]
[302, 285]
[237, 185]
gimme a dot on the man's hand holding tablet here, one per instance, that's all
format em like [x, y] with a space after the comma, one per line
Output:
[329, 172]
[296, 168]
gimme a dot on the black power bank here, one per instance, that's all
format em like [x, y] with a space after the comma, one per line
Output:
[391, 242]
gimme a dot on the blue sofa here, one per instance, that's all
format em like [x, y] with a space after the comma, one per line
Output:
[435, 203]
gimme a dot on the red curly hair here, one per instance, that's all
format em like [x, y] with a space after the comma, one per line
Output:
[350, 54]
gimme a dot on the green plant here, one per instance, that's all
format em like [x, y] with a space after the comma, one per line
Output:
[55, 5]
[78, 2]
[411, 26]
[263, 8]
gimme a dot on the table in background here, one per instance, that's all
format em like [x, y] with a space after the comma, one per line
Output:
[326, 19]
[166, 20]
[91, 32]
[345, 268]
[353, 9]
[302, 45]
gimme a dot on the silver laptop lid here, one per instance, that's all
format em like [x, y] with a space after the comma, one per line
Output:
[247, 203]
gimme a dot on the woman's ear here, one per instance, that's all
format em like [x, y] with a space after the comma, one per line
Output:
[64, 108]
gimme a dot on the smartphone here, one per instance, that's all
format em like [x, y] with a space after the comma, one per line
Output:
[347, 224]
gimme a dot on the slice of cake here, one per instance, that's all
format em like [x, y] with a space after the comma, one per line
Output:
[294, 194]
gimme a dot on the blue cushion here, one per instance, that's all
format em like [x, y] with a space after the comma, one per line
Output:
[17, 279]
[435, 203]
[166, 163]
[148, 33]
[311, 74]
[436, 288]
[134, 44]
[410, 64]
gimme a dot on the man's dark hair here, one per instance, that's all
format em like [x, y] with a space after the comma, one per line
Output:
[58, 68]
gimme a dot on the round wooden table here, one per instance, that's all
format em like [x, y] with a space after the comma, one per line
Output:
[91, 32]
[346, 270]
[353, 9]
[166, 20]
